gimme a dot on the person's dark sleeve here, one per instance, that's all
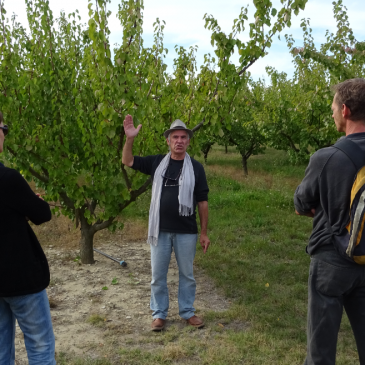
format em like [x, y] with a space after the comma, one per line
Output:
[20, 197]
[307, 195]
[144, 164]
[201, 186]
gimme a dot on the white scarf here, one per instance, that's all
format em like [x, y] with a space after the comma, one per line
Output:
[186, 190]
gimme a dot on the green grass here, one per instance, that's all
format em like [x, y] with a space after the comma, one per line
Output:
[257, 257]
[66, 359]
[96, 320]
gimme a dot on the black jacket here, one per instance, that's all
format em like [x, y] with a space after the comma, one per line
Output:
[23, 264]
[327, 188]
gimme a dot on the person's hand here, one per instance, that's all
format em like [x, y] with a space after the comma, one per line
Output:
[129, 129]
[204, 242]
[310, 214]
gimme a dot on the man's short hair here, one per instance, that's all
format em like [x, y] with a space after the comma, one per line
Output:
[352, 93]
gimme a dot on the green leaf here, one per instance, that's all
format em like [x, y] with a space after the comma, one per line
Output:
[111, 133]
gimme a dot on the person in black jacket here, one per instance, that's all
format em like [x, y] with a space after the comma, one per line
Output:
[335, 281]
[24, 271]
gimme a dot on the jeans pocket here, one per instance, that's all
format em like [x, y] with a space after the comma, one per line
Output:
[332, 280]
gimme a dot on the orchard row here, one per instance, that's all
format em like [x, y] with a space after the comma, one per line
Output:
[65, 91]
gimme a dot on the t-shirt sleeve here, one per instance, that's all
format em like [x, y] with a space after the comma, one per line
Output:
[21, 198]
[201, 186]
[144, 164]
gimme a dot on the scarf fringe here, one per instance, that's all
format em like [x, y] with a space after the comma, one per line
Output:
[152, 240]
[185, 211]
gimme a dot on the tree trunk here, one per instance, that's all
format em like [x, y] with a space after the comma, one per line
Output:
[226, 146]
[86, 241]
[244, 165]
[206, 155]
[205, 151]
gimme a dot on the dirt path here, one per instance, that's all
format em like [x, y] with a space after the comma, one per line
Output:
[89, 320]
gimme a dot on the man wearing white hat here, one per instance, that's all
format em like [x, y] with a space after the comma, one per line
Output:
[179, 185]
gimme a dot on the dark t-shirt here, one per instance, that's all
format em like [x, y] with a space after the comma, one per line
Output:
[326, 187]
[170, 220]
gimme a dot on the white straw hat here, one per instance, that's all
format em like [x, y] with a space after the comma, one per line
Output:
[178, 125]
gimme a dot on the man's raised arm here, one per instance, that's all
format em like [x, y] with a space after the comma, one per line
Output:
[130, 132]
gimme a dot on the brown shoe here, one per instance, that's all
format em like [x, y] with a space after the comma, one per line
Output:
[158, 324]
[195, 322]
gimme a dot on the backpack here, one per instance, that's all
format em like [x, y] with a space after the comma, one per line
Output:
[355, 247]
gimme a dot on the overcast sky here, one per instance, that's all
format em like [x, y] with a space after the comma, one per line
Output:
[185, 25]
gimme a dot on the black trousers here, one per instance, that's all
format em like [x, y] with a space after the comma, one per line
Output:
[334, 283]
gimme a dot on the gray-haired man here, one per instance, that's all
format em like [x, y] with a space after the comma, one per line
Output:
[179, 184]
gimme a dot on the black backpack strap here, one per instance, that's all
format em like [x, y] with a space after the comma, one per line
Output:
[353, 152]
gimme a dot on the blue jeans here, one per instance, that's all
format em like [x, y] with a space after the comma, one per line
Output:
[334, 284]
[184, 246]
[34, 318]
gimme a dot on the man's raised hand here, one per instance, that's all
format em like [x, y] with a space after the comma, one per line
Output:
[129, 129]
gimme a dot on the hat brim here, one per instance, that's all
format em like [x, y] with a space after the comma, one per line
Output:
[188, 131]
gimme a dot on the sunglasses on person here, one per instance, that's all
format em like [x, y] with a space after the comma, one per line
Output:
[172, 181]
[5, 129]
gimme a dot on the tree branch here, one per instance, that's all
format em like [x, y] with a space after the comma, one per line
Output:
[149, 91]
[36, 174]
[126, 177]
[93, 206]
[103, 225]
[134, 195]
[198, 126]
[67, 201]
[292, 145]
[121, 139]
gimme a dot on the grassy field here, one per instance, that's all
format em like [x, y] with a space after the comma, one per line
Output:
[257, 256]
